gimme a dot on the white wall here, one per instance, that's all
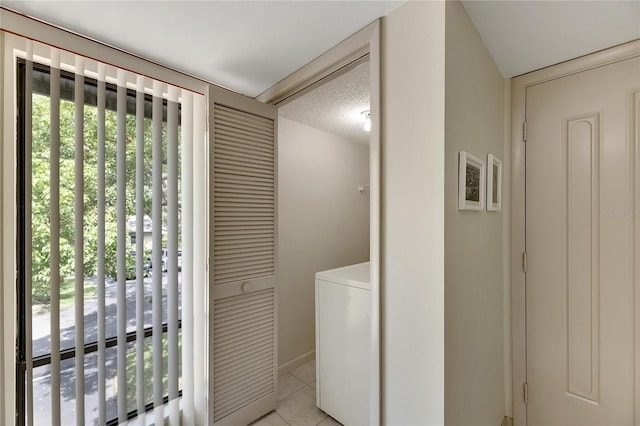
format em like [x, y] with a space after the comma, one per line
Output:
[323, 223]
[474, 122]
[412, 287]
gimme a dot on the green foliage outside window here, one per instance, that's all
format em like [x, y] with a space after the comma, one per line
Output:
[41, 191]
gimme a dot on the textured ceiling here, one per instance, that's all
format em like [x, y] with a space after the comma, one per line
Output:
[246, 46]
[523, 36]
[336, 106]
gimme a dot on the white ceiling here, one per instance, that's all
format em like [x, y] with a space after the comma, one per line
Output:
[523, 36]
[335, 107]
[246, 46]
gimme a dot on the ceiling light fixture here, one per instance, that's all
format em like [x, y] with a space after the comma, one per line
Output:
[367, 120]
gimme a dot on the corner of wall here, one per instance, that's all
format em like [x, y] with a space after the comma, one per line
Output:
[412, 190]
[506, 252]
[476, 244]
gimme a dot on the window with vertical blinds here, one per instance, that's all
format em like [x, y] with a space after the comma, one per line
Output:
[111, 290]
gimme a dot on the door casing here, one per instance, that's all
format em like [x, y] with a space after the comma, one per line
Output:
[518, 243]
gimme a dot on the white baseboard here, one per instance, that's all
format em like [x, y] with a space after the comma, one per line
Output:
[296, 362]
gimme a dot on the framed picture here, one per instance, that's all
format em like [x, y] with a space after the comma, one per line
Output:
[494, 183]
[470, 182]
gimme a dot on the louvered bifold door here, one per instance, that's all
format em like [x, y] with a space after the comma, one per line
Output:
[243, 332]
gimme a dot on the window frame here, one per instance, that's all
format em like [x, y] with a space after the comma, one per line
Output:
[90, 347]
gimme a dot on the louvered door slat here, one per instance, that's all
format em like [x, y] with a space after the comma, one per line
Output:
[228, 142]
[233, 236]
[243, 239]
[226, 111]
[249, 132]
[237, 357]
[231, 158]
[243, 226]
[230, 269]
[247, 137]
[252, 394]
[232, 254]
[233, 207]
[236, 251]
[248, 368]
[255, 229]
[241, 230]
[229, 149]
[245, 120]
[229, 343]
[235, 275]
[244, 303]
[243, 325]
[239, 354]
[223, 160]
[242, 388]
[239, 320]
[224, 262]
[248, 172]
[244, 182]
[244, 198]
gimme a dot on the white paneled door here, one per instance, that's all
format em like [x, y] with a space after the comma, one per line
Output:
[582, 210]
[243, 298]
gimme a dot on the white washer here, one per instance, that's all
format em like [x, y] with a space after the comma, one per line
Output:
[343, 316]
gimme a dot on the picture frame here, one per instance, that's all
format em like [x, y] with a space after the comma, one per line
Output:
[494, 183]
[471, 182]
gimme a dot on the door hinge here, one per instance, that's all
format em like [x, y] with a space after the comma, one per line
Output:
[524, 262]
[524, 131]
[525, 393]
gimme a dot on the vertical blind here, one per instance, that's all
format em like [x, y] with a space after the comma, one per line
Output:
[113, 245]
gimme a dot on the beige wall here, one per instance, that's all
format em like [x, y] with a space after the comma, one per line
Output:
[474, 117]
[412, 287]
[323, 224]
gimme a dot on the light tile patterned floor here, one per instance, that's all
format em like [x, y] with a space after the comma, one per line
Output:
[297, 401]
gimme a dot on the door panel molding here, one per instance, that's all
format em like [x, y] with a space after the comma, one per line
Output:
[519, 87]
[581, 245]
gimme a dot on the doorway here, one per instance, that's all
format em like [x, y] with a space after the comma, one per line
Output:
[323, 215]
[364, 46]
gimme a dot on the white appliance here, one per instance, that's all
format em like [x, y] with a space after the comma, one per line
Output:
[343, 317]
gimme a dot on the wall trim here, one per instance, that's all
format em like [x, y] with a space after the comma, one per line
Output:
[518, 278]
[289, 366]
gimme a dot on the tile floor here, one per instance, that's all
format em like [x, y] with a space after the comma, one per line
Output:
[297, 401]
